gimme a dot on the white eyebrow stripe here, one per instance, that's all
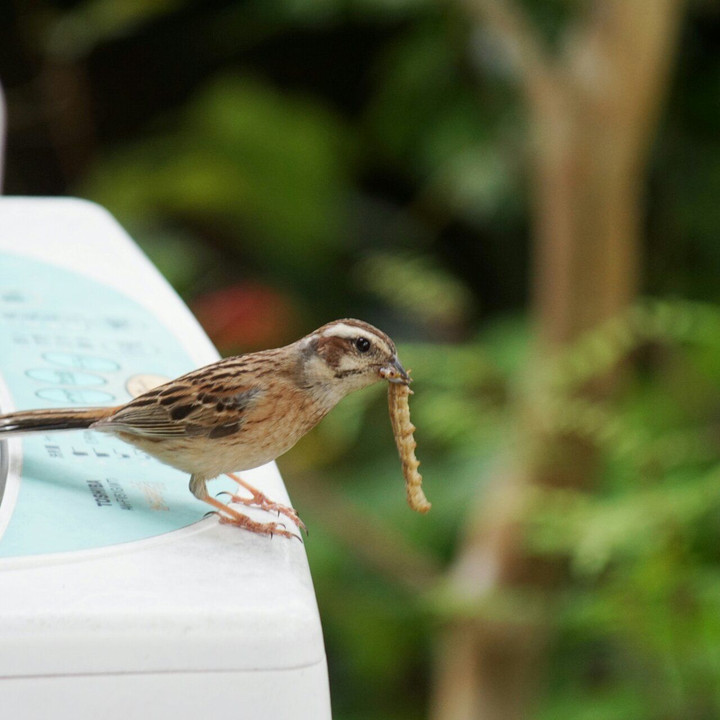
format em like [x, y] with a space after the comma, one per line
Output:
[351, 332]
[348, 332]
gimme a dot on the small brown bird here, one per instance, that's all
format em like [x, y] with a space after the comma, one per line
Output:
[238, 413]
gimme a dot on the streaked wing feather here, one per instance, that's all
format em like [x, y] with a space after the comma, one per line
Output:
[196, 404]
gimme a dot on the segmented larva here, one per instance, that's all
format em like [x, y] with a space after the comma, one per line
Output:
[403, 430]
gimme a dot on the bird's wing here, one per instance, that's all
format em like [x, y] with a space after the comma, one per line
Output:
[212, 402]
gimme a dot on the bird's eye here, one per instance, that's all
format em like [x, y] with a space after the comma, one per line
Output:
[362, 344]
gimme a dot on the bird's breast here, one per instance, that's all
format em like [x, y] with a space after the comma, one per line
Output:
[264, 433]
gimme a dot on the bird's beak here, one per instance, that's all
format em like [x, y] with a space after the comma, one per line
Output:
[394, 372]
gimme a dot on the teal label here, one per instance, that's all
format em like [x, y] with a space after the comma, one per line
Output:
[67, 340]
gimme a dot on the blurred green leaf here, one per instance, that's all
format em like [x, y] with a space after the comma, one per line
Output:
[78, 31]
[417, 287]
[269, 169]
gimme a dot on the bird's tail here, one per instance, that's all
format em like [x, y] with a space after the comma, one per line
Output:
[52, 419]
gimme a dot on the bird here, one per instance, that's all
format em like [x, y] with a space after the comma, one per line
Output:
[238, 413]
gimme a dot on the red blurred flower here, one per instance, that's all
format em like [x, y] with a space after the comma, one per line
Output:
[242, 318]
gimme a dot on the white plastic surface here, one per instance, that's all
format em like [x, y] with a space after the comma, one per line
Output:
[208, 619]
[240, 696]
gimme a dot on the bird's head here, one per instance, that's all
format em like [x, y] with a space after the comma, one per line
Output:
[347, 355]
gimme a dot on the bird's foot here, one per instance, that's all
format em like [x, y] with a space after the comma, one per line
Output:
[229, 516]
[268, 528]
[258, 499]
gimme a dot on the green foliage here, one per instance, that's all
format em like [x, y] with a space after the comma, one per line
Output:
[75, 33]
[640, 610]
[451, 146]
[269, 170]
[637, 627]
[416, 286]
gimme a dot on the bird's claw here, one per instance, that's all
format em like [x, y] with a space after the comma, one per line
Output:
[270, 528]
[260, 500]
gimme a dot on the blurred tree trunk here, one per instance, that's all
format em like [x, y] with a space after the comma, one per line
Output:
[592, 110]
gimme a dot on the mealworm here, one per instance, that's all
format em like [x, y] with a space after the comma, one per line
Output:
[403, 430]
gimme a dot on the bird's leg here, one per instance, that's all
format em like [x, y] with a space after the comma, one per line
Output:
[260, 500]
[228, 516]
